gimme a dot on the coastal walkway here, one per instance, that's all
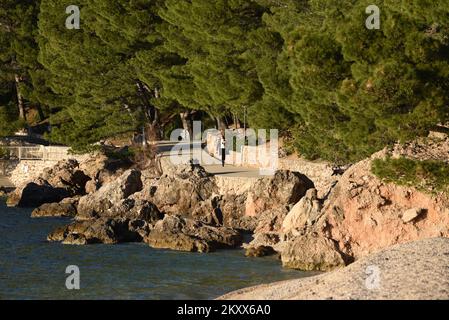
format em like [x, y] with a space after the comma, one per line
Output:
[229, 170]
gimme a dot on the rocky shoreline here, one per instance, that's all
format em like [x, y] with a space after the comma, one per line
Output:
[186, 208]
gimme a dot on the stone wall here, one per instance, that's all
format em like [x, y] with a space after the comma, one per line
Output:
[26, 170]
[22, 171]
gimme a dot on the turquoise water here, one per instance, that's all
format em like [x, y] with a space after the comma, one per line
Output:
[31, 268]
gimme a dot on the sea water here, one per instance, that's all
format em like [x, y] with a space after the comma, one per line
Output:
[32, 268]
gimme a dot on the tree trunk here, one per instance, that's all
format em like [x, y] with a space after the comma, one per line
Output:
[20, 103]
[221, 125]
[40, 112]
[152, 130]
[237, 123]
[187, 122]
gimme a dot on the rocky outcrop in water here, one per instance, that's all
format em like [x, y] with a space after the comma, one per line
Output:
[102, 230]
[311, 252]
[65, 208]
[184, 234]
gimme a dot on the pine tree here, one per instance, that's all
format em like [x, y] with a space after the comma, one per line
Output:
[212, 38]
[358, 90]
[18, 62]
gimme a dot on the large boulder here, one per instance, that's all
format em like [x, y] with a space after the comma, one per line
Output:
[189, 190]
[37, 193]
[110, 195]
[276, 226]
[66, 175]
[303, 214]
[65, 208]
[243, 209]
[283, 189]
[184, 234]
[311, 253]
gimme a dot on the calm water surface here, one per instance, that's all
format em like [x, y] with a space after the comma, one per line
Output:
[31, 268]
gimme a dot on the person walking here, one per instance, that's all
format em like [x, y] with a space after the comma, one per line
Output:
[223, 150]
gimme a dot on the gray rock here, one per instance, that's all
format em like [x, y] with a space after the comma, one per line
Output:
[184, 234]
[61, 209]
[103, 230]
[109, 195]
[411, 271]
[311, 253]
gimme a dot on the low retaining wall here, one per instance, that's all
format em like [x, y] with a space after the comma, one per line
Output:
[27, 170]
[24, 170]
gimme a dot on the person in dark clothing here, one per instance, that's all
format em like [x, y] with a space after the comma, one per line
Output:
[216, 218]
[223, 151]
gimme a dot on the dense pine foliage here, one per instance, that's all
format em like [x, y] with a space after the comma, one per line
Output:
[310, 68]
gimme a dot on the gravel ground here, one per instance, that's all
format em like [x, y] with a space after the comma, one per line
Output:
[417, 270]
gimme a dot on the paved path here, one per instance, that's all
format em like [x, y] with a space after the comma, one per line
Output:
[228, 170]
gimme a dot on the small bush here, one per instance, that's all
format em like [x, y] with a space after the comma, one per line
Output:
[4, 153]
[428, 175]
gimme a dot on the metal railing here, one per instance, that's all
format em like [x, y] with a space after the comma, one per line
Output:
[36, 153]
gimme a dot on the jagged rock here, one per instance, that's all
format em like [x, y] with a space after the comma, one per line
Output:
[189, 190]
[311, 252]
[92, 186]
[267, 194]
[135, 210]
[66, 175]
[103, 230]
[266, 239]
[283, 189]
[65, 208]
[268, 230]
[109, 195]
[184, 234]
[244, 223]
[233, 207]
[303, 214]
[271, 220]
